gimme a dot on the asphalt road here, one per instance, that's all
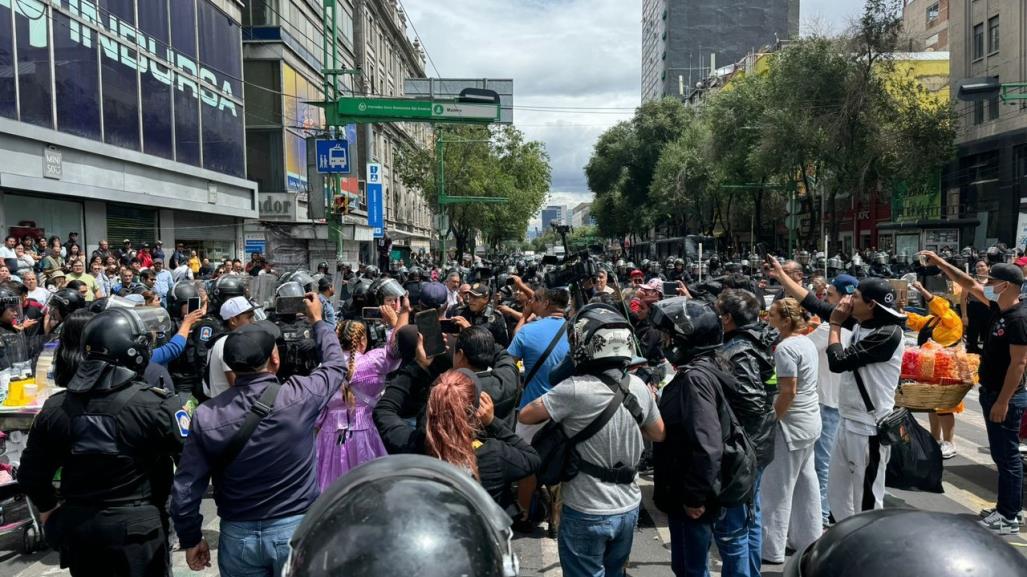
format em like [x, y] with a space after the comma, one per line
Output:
[969, 485]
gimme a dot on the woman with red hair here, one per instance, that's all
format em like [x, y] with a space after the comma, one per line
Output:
[461, 430]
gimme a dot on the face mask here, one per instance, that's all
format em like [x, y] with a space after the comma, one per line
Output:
[991, 293]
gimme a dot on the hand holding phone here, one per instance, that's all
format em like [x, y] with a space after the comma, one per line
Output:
[194, 304]
[431, 331]
[371, 313]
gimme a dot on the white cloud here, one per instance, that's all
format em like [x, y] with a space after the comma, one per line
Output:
[580, 54]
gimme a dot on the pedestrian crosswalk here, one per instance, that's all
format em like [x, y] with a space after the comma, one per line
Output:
[969, 484]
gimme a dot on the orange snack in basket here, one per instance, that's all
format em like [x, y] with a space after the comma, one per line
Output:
[911, 364]
[927, 366]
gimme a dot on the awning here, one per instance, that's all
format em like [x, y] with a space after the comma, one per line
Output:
[923, 223]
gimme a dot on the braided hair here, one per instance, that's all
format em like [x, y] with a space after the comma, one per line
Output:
[351, 333]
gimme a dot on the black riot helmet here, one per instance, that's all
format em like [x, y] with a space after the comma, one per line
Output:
[909, 543]
[416, 274]
[600, 337]
[289, 299]
[66, 301]
[371, 272]
[384, 288]
[226, 287]
[117, 345]
[418, 516]
[305, 280]
[692, 328]
[180, 295]
[322, 267]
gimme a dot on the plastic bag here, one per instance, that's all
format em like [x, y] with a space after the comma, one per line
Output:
[915, 463]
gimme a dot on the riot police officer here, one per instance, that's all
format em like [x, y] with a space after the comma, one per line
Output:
[114, 438]
[60, 305]
[297, 348]
[187, 370]
[479, 312]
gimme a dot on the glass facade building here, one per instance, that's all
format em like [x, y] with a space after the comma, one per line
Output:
[161, 77]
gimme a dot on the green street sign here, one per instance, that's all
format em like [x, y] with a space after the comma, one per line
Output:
[398, 109]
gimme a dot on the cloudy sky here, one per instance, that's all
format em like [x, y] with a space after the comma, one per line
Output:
[575, 64]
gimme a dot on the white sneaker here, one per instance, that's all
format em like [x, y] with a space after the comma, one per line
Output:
[948, 450]
[984, 513]
[999, 525]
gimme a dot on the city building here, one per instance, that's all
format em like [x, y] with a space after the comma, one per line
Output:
[124, 120]
[387, 56]
[684, 40]
[581, 215]
[926, 25]
[553, 214]
[283, 50]
[986, 184]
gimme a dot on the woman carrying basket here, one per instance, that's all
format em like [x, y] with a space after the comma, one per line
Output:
[943, 326]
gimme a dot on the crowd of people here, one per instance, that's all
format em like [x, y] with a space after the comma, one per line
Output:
[753, 396]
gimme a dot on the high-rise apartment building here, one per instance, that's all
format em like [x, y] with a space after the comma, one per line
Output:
[683, 39]
[986, 184]
[926, 25]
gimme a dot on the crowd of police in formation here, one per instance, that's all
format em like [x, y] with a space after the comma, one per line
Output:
[367, 422]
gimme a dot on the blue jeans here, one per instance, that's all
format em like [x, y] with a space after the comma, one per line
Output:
[756, 530]
[829, 419]
[690, 543]
[1004, 441]
[255, 548]
[595, 545]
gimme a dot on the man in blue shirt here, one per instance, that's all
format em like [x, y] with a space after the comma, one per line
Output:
[531, 340]
[164, 280]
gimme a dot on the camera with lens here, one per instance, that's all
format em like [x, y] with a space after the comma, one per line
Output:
[576, 269]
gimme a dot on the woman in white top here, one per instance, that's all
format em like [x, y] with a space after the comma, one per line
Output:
[790, 491]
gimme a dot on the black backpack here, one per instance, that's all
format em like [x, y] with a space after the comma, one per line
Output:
[560, 461]
[738, 466]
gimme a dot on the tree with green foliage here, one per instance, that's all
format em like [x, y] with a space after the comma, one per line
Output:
[482, 161]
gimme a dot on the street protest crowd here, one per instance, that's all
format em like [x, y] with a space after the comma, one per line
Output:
[360, 421]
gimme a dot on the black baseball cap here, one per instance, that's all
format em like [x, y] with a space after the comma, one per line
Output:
[480, 289]
[1006, 272]
[249, 347]
[880, 292]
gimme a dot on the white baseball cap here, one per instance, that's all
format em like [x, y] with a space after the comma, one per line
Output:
[234, 307]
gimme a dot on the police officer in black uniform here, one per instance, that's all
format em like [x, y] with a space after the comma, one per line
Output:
[115, 438]
[479, 312]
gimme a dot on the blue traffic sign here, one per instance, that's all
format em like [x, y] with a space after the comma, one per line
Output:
[333, 156]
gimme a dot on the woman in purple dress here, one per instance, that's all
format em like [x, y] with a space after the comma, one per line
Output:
[346, 435]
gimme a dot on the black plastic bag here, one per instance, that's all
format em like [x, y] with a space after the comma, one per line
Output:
[915, 463]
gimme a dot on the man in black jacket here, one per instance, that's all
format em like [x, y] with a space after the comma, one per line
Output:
[688, 463]
[746, 356]
[476, 350]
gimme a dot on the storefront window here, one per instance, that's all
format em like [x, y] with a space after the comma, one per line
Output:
[32, 32]
[8, 103]
[223, 141]
[77, 82]
[153, 84]
[156, 81]
[120, 100]
[183, 27]
[55, 217]
[295, 162]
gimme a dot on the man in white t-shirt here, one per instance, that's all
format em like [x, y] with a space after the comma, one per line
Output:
[36, 292]
[236, 312]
